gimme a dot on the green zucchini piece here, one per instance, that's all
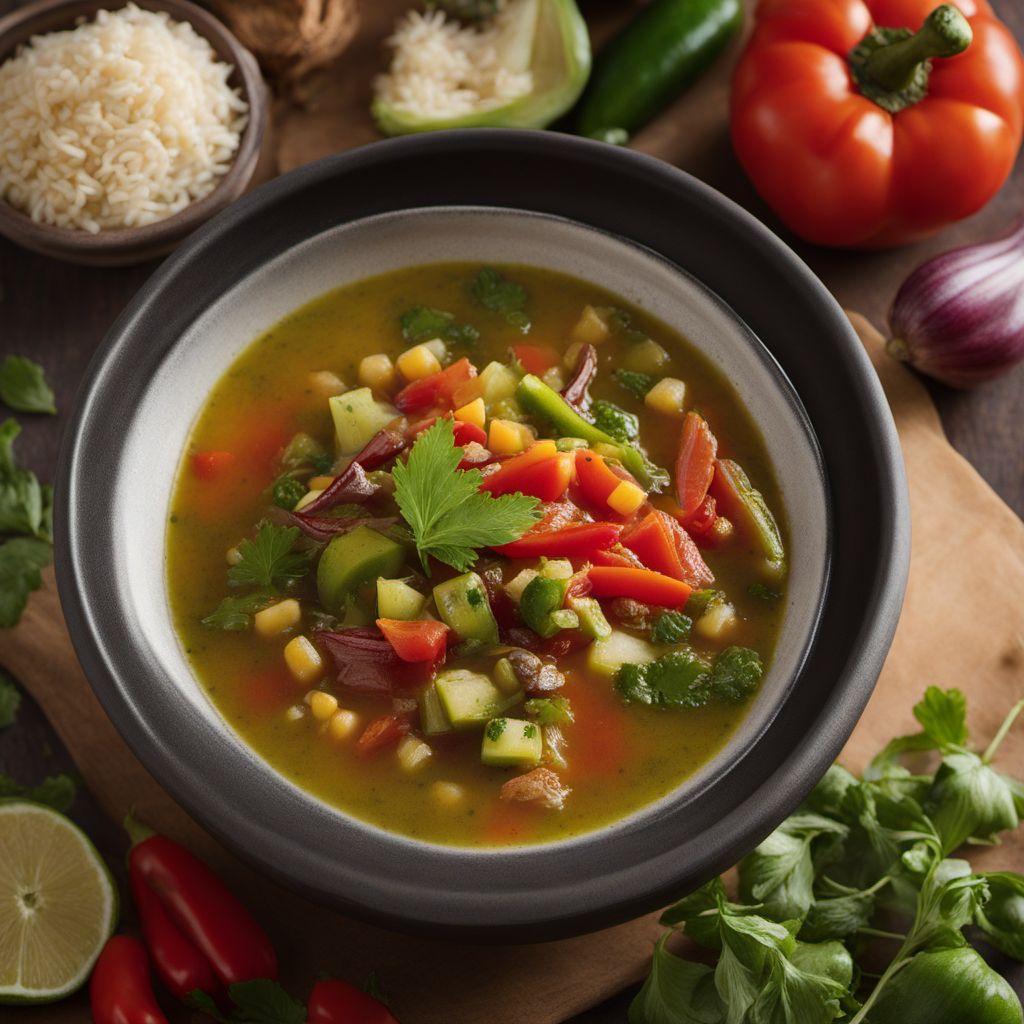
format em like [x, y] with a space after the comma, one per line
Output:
[352, 559]
[397, 600]
[470, 698]
[433, 720]
[592, 618]
[511, 742]
[606, 657]
[357, 417]
[462, 604]
[540, 599]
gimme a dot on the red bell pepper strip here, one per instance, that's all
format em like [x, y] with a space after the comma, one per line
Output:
[437, 389]
[419, 640]
[537, 359]
[580, 541]
[596, 480]
[701, 522]
[641, 584]
[338, 1002]
[464, 432]
[654, 544]
[207, 913]
[538, 472]
[695, 569]
[211, 465]
[849, 149]
[695, 463]
[120, 991]
[179, 964]
[617, 557]
[381, 733]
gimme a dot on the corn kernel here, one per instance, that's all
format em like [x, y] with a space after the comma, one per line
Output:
[418, 362]
[447, 794]
[320, 483]
[627, 498]
[475, 412]
[413, 753]
[307, 499]
[506, 437]
[323, 705]
[342, 724]
[326, 383]
[438, 347]
[377, 372]
[233, 556]
[572, 353]
[303, 659]
[667, 396]
[295, 713]
[278, 617]
[591, 328]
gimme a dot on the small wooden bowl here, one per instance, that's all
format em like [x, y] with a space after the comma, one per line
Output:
[121, 246]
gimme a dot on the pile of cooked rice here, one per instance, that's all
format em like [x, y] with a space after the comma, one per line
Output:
[121, 121]
[441, 68]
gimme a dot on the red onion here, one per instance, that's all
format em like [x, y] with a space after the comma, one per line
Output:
[960, 316]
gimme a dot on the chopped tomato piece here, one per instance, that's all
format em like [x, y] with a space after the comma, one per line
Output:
[464, 432]
[211, 465]
[381, 733]
[541, 471]
[436, 390]
[695, 463]
[662, 544]
[419, 640]
[617, 557]
[579, 541]
[695, 569]
[536, 359]
[641, 584]
[701, 522]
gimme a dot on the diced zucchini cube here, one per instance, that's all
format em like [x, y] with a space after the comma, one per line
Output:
[511, 742]
[470, 698]
[433, 720]
[357, 417]
[606, 657]
[354, 558]
[397, 600]
[462, 604]
[497, 382]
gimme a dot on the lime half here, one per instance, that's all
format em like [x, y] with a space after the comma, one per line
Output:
[58, 904]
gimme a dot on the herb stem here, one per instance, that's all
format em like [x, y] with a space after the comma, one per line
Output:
[1003, 730]
[878, 933]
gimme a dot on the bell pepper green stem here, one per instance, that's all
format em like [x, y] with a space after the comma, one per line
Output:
[945, 33]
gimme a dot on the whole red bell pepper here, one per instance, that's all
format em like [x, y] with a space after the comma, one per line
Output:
[120, 991]
[203, 910]
[338, 1002]
[869, 123]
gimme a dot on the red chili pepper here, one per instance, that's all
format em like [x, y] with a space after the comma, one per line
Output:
[211, 465]
[546, 476]
[537, 359]
[420, 640]
[381, 733]
[695, 463]
[179, 965]
[338, 1002]
[435, 390]
[200, 905]
[641, 584]
[580, 541]
[120, 991]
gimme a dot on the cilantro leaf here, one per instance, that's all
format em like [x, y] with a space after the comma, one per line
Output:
[21, 497]
[21, 560]
[57, 791]
[1002, 917]
[264, 1002]
[23, 386]
[671, 628]
[422, 322]
[676, 991]
[499, 295]
[637, 384]
[969, 800]
[615, 422]
[943, 716]
[233, 613]
[450, 517]
[10, 701]
[268, 560]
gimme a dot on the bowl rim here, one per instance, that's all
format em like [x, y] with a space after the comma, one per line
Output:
[16, 30]
[570, 910]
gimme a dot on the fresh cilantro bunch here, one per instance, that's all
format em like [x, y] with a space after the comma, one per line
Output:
[858, 857]
[450, 517]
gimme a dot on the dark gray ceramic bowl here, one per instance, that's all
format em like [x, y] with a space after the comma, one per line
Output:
[633, 224]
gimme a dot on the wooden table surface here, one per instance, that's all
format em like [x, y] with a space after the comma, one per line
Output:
[58, 314]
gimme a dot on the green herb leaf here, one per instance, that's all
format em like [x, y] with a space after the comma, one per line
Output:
[1002, 917]
[421, 323]
[676, 991]
[677, 679]
[21, 560]
[234, 613]
[23, 386]
[763, 593]
[264, 1002]
[499, 295]
[836, 917]
[969, 800]
[21, 497]
[288, 492]
[671, 628]
[736, 674]
[793, 994]
[550, 710]
[615, 422]
[637, 384]
[57, 791]
[202, 1001]
[10, 701]
[450, 517]
[268, 561]
[943, 716]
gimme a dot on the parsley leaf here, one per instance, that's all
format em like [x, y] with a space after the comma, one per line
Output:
[449, 515]
[676, 991]
[10, 701]
[499, 295]
[422, 322]
[21, 560]
[21, 497]
[57, 791]
[637, 384]
[615, 422]
[23, 386]
[233, 613]
[268, 561]
[671, 628]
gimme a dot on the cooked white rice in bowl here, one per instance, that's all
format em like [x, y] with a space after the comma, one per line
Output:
[121, 121]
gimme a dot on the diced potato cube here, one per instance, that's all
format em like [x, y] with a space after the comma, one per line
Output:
[646, 356]
[447, 794]
[413, 753]
[591, 328]
[326, 383]
[303, 660]
[308, 498]
[377, 372]
[418, 362]
[497, 382]
[438, 347]
[506, 437]
[278, 617]
[343, 724]
[667, 396]
[475, 412]
[322, 705]
[627, 498]
[717, 621]
[515, 586]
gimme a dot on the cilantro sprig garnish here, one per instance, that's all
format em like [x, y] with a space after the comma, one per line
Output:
[450, 517]
[268, 560]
